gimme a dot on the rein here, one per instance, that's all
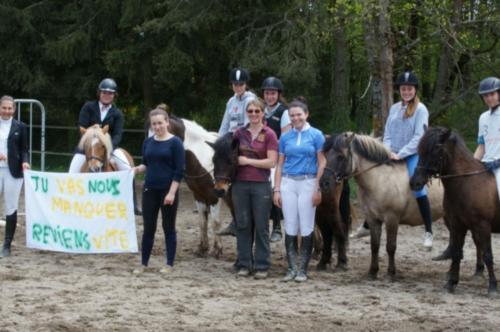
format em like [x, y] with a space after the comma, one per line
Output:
[339, 178]
[448, 176]
[198, 176]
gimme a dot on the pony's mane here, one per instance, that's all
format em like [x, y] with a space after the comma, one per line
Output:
[223, 146]
[337, 142]
[370, 148]
[195, 132]
[195, 137]
[436, 136]
[96, 132]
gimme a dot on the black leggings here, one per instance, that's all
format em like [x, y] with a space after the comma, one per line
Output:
[152, 203]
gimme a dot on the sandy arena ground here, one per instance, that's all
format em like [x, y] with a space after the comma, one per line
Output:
[46, 291]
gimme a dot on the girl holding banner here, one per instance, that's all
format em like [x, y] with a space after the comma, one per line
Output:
[163, 162]
[13, 160]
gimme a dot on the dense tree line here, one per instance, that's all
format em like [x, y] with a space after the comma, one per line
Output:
[341, 55]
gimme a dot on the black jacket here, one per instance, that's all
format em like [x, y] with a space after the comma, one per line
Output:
[90, 114]
[17, 148]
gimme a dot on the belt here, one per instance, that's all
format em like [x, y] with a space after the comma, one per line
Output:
[300, 177]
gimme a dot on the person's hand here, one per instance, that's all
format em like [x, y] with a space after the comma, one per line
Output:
[169, 199]
[26, 166]
[242, 160]
[492, 165]
[394, 156]
[277, 198]
[316, 199]
[3, 157]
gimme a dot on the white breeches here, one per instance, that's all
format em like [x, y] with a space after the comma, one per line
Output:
[119, 159]
[497, 178]
[297, 206]
[11, 189]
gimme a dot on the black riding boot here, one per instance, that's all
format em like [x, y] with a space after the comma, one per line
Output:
[425, 211]
[137, 209]
[291, 256]
[10, 229]
[305, 255]
[276, 216]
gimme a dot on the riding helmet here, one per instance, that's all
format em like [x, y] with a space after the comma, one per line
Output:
[239, 75]
[407, 78]
[108, 84]
[489, 84]
[272, 83]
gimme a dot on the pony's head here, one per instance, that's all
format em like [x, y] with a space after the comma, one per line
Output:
[433, 155]
[225, 161]
[345, 151]
[97, 146]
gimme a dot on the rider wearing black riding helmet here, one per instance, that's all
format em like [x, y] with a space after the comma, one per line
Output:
[276, 113]
[103, 113]
[235, 115]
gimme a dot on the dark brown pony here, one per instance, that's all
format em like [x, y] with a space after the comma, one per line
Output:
[470, 196]
[329, 218]
[327, 213]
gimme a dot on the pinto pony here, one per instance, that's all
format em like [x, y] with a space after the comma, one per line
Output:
[470, 197]
[199, 179]
[383, 190]
[97, 147]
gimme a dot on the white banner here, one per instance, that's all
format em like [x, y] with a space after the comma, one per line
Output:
[80, 213]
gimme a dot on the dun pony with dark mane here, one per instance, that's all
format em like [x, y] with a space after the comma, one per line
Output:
[383, 190]
[470, 197]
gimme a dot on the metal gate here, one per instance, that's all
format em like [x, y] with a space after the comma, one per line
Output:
[28, 104]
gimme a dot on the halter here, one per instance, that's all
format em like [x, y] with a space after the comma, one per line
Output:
[339, 178]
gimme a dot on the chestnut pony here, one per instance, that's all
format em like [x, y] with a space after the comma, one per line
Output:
[97, 147]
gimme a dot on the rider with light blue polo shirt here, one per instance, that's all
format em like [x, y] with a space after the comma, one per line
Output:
[300, 165]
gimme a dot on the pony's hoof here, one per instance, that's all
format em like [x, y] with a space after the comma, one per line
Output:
[372, 275]
[202, 252]
[450, 287]
[216, 253]
[492, 293]
[321, 266]
[478, 275]
[340, 268]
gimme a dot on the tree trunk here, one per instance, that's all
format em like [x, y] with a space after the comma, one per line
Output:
[378, 39]
[446, 60]
[341, 72]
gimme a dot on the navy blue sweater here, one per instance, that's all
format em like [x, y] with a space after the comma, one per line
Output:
[164, 162]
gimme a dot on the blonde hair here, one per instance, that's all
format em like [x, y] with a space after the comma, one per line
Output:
[257, 103]
[159, 111]
[412, 106]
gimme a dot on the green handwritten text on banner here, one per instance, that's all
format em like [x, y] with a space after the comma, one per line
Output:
[80, 213]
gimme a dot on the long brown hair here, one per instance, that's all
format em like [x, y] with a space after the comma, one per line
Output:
[412, 106]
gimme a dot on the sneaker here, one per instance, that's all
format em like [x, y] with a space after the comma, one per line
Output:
[139, 270]
[301, 277]
[276, 235]
[166, 269]
[261, 275]
[361, 231]
[243, 272]
[229, 230]
[428, 240]
[290, 275]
